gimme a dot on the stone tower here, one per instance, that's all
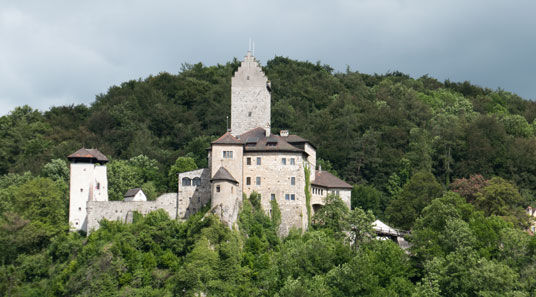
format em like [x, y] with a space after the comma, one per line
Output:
[88, 183]
[227, 154]
[250, 97]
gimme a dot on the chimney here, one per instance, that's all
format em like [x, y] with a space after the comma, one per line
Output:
[283, 133]
[267, 129]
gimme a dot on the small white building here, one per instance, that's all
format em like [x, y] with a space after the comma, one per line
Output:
[135, 194]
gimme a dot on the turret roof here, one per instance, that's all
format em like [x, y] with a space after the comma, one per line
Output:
[89, 155]
[223, 174]
[227, 138]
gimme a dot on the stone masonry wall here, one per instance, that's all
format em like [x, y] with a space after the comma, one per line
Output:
[250, 99]
[276, 179]
[192, 198]
[122, 211]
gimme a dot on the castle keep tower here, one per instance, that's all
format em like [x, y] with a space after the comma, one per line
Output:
[250, 97]
[88, 183]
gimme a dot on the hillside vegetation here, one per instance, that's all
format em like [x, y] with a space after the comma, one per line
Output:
[452, 162]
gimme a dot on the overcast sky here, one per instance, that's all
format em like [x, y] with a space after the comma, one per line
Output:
[65, 52]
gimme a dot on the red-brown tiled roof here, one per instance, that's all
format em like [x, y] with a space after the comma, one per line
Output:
[328, 180]
[227, 138]
[88, 154]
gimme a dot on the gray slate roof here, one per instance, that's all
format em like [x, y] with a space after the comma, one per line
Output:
[132, 192]
[255, 140]
[272, 143]
[223, 174]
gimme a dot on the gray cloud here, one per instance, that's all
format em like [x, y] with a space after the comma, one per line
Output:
[58, 52]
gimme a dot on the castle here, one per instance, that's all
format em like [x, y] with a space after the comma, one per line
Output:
[247, 158]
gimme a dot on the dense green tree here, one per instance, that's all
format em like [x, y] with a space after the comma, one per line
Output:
[333, 215]
[182, 164]
[421, 189]
[57, 170]
[369, 198]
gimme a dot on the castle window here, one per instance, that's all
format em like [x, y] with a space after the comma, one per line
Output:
[186, 181]
[80, 208]
[81, 190]
[198, 199]
[272, 197]
[292, 161]
[249, 114]
[218, 189]
[248, 161]
[292, 197]
[284, 161]
[248, 180]
[258, 160]
[227, 154]
[258, 180]
[287, 196]
[98, 186]
[196, 181]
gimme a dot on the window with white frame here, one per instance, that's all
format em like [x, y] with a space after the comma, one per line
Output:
[227, 154]
[258, 180]
[258, 160]
[293, 181]
[284, 161]
[292, 161]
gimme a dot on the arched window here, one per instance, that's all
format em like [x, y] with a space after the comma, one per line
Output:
[186, 181]
[196, 181]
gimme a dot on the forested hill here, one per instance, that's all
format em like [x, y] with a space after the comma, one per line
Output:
[453, 163]
[369, 128]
